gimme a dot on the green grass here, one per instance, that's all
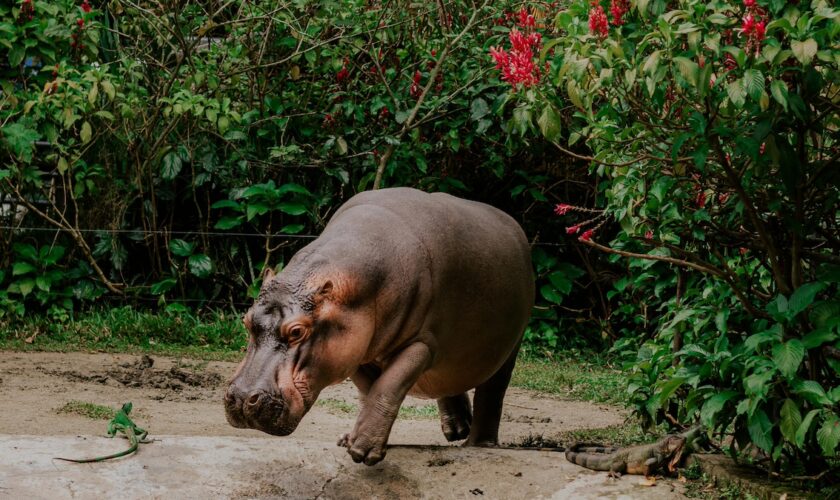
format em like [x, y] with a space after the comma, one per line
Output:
[212, 336]
[425, 412]
[581, 376]
[89, 410]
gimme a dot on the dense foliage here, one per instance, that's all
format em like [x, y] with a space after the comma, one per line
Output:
[689, 150]
[714, 132]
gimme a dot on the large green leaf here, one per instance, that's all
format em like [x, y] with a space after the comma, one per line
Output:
[200, 265]
[788, 356]
[804, 50]
[549, 122]
[804, 297]
[760, 429]
[812, 391]
[181, 248]
[20, 268]
[737, 94]
[171, 166]
[713, 405]
[791, 419]
[802, 431]
[753, 83]
[479, 109]
[292, 208]
[828, 436]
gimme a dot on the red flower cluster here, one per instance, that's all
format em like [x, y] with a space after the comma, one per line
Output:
[415, 85]
[587, 235]
[76, 36]
[27, 12]
[524, 19]
[342, 74]
[86, 6]
[753, 27]
[617, 8]
[562, 209]
[517, 65]
[598, 24]
[329, 120]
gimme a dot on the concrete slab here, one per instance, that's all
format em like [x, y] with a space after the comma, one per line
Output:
[177, 467]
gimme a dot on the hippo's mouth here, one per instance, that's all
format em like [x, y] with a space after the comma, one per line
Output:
[267, 413]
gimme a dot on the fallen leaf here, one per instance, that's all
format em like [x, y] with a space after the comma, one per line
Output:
[648, 481]
[682, 479]
[31, 338]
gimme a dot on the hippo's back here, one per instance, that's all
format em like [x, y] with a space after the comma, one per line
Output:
[482, 286]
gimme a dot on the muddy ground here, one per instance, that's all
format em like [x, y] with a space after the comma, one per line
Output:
[181, 400]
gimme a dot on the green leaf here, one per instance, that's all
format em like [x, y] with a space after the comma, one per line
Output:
[760, 429]
[818, 337]
[549, 122]
[668, 388]
[813, 392]
[163, 286]
[561, 282]
[85, 133]
[43, 283]
[791, 419]
[829, 435]
[753, 83]
[550, 294]
[804, 51]
[109, 89]
[803, 297]
[227, 204]
[200, 265]
[737, 94]
[20, 268]
[292, 208]
[181, 248]
[172, 165]
[25, 286]
[20, 139]
[229, 222]
[780, 92]
[802, 431]
[788, 356]
[713, 405]
[688, 69]
[479, 109]
[292, 229]
[17, 54]
[823, 312]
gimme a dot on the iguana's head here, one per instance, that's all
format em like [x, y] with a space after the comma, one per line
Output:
[672, 447]
[126, 408]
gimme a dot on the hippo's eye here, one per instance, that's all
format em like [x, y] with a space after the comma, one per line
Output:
[295, 333]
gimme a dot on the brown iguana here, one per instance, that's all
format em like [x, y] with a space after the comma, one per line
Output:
[644, 459]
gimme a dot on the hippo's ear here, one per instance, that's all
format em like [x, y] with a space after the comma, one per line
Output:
[326, 290]
[267, 275]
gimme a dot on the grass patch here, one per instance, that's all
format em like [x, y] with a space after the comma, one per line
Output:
[213, 336]
[89, 410]
[426, 412]
[575, 375]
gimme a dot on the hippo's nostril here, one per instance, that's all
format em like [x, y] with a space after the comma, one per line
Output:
[254, 398]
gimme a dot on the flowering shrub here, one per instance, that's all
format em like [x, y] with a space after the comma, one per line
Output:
[713, 130]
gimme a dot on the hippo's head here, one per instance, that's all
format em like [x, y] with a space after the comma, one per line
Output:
[303, 336]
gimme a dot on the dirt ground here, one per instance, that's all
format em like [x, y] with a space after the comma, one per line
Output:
[182, 398]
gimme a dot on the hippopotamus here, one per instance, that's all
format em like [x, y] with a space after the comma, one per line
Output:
[404, 292]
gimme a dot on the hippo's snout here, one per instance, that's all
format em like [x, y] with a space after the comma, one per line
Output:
[257, 409]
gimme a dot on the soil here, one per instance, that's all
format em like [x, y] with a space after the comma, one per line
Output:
[182, 398]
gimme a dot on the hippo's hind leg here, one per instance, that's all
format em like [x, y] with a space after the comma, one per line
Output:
[487, 405]
[455, 416]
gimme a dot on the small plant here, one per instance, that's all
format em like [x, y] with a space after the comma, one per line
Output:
[89, 410]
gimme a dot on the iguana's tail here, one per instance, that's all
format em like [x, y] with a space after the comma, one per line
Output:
[129, 451]
[591, 455]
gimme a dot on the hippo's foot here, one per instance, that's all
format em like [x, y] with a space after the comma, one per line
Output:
[361, 450]
[455, 417]
[482, 443]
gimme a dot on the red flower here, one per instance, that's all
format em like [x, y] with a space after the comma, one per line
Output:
[517, 65]
[572, 229]
[415, 85]
[743, 250]
[342, 74]
[525, 20]
[700, 199]
[617, 8]
[587, 235]
[598, 24]
[562, 209]
[749, 3]
[649, 235]
[80, 22]
[86, 6]
[723, 198]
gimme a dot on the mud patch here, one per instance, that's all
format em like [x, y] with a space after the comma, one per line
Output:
[439, 462]
[142, 374]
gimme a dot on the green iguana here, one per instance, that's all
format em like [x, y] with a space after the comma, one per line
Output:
[120, 423]
[644, 459]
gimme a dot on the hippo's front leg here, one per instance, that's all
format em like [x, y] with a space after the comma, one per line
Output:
[382, 404]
